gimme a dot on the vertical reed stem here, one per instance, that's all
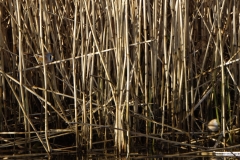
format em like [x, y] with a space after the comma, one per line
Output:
[45, 77]
[74, 74]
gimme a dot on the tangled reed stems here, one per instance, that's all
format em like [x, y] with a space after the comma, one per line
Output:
[124, 73]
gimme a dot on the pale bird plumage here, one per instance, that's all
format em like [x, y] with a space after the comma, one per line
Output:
[213, 125]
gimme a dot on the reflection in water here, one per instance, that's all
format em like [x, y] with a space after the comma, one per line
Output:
[95, 155]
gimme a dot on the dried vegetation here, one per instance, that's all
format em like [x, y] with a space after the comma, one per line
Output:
[125, 73]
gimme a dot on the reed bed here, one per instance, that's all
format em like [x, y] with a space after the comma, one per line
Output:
[125, 73]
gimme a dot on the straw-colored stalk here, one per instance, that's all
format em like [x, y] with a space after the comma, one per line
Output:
[45, 77]
[74, 71]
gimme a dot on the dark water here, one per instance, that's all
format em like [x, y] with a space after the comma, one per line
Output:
[100, 156]
[137, 152]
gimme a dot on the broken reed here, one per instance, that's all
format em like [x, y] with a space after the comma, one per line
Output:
[122, 69]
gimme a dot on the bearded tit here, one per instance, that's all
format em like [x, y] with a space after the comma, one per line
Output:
[48, 58]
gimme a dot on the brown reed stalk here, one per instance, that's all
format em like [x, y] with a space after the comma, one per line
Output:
[2, 81]
[165, 65]
[45, 77]
[91, 62]
[74, 75]
[126, 30]
[22, 76]
[220, 44]
[185, 51]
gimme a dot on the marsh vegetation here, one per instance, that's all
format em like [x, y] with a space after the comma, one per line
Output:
[146, 73]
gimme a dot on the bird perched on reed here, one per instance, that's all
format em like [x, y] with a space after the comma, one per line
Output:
[213, 125]
[48, 58]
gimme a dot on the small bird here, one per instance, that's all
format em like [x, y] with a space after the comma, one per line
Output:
[48, 58]
[213, 125]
